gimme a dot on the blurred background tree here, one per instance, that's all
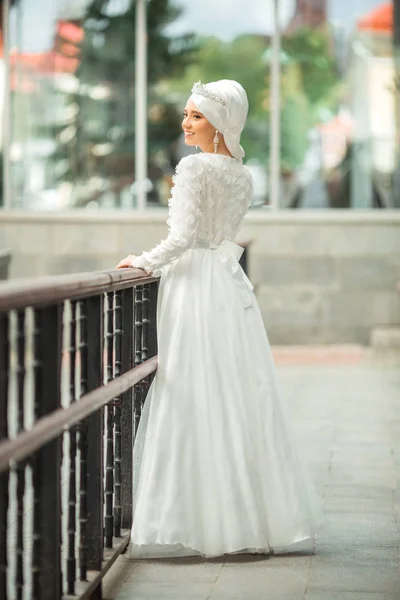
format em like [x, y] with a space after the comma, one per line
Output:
[310, 90]
[311, 50]
[105, 97]
[295, 118]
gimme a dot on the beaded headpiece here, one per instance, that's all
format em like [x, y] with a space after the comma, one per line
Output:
[200, 88]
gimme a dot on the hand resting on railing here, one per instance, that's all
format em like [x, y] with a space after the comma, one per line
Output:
[126, 263]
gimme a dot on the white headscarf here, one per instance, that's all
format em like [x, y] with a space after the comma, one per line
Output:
[224, 104]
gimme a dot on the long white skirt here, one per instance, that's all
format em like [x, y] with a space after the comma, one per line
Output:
[216, 467]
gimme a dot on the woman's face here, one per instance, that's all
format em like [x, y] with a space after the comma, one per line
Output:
[198, 131]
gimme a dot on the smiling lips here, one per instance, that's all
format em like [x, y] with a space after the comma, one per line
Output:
[188, 132]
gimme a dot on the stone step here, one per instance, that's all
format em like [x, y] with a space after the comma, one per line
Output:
[385, 338]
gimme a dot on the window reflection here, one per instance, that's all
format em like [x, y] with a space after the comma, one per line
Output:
[72, 98]
[72, 103]
[347, 73]
[337, 109]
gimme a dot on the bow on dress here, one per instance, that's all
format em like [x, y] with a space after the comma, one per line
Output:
[229, 254]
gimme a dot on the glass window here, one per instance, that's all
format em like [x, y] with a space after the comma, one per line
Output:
[338, 109]
[72, 103]
[337, 112]
[72, 98]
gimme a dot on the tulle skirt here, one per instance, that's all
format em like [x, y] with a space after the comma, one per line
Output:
[216, 466]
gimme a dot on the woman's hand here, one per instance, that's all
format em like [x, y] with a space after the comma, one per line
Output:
[126, 263]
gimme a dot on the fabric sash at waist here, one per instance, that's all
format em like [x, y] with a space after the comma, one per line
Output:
[229, 253]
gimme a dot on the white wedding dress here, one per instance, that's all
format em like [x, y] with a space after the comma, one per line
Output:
[216, 469]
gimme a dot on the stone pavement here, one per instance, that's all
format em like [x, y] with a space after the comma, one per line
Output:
[346, 410]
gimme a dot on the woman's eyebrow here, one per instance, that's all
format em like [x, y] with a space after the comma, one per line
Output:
[193, 111]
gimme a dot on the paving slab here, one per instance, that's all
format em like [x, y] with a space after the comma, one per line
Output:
[343, 529]
[345, 504]
[185, 569]
[356, 568]
[320, 594]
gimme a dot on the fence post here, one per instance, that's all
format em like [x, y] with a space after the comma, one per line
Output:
[127, 410]
[48, 464]
[4, 368]
[94, 378]
[152, 332]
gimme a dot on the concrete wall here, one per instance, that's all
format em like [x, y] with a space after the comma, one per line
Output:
[322, 277]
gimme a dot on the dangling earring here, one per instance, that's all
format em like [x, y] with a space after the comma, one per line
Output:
[216, 141]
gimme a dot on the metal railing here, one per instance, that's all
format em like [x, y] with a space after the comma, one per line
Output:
[77, 355]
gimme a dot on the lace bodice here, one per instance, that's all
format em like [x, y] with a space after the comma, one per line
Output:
[209, 199]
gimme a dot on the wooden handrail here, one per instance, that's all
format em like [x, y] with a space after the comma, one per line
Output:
[51, 289]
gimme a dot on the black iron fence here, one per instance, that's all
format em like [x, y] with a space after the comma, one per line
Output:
[77, 354]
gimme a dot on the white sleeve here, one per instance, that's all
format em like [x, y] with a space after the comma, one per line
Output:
[183, 219]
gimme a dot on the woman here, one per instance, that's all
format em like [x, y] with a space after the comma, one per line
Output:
[216, 468]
